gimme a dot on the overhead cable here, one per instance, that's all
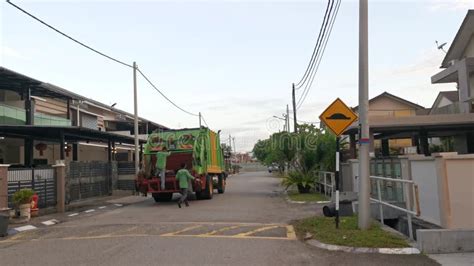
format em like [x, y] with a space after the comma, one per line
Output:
[69, 37]
[303, 79]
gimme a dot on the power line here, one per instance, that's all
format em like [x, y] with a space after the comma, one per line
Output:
[98, 52]
[69, 37]
[204, 120]
[303, 98]
[303, 79]
[162, 94]
[318, 57]
[299, 121]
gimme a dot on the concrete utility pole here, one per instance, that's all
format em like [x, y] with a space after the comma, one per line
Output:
[288, 118]
[294, 109]
[364, 140]
[230, 146]
[199, 119]
[135, 122]
[233, 140]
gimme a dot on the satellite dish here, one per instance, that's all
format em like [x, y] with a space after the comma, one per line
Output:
[440, 46]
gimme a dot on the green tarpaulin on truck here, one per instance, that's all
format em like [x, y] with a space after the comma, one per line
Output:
[202, 142]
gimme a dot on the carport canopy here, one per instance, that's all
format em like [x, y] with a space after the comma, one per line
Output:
[60, 135]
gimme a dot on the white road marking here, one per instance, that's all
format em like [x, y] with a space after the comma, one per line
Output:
[118, 205]
[102, 207]
[73, 214]
[25, 228]
[50, 222]
[88, 211]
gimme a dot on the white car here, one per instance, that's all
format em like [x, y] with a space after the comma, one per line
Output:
[272, 168]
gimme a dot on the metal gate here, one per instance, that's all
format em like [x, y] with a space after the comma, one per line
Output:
[87, 179]
[41, 180]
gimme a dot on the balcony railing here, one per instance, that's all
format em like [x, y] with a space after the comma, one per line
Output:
[10, 115]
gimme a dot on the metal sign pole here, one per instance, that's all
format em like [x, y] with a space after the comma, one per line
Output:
[336, 176]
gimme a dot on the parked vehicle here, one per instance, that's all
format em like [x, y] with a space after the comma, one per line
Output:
[164, 153]
[273, 168]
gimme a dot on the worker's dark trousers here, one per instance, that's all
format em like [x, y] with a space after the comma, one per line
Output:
[184, 196]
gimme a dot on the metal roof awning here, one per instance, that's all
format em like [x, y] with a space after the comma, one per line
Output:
[433, 125]
[13, 81]
[72, 134]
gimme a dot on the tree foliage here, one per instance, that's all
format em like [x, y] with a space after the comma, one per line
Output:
[308, 150]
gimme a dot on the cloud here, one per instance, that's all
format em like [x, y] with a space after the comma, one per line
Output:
[6, 51]
[451, 5]
[413, 80]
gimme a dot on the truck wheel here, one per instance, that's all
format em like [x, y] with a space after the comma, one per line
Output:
[162, 197]
[208, 192]
[221, 187]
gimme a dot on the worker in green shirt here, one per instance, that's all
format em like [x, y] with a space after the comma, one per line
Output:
[183, 176]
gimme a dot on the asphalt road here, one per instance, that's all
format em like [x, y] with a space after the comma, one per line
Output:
[248, 225]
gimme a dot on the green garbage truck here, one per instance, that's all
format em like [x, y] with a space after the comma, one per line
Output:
[165, 151]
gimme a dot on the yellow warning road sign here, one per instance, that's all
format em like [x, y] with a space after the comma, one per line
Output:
[338, 116]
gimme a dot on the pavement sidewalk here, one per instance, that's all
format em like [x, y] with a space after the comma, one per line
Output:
[50, 216]
[454, 259]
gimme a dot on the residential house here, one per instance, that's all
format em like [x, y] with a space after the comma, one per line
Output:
[381, 107]
[41, 123]
[458, 67]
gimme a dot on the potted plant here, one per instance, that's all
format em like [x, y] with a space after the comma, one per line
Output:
[22, 199]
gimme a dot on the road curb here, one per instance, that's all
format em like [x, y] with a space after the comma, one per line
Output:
[394, 251]
[304, 202]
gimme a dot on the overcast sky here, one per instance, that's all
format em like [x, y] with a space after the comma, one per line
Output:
[234, 61]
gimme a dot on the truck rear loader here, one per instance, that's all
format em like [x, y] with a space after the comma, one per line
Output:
[163, 154]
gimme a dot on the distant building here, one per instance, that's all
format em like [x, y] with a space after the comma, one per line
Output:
[243, 158]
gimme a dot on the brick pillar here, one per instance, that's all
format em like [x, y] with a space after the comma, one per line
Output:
[4, 185]
[60, 169]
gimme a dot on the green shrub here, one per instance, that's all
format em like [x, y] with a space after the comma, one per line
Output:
[23, 196]
[304, 182]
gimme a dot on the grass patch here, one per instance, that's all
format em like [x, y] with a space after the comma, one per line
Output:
[310, 197]
[324, 230]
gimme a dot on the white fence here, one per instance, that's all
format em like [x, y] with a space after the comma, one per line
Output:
[410, 197]
[325, 183]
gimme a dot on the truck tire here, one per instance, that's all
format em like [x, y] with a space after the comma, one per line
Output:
[208, 192]
[221, 187]
[162, 197]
